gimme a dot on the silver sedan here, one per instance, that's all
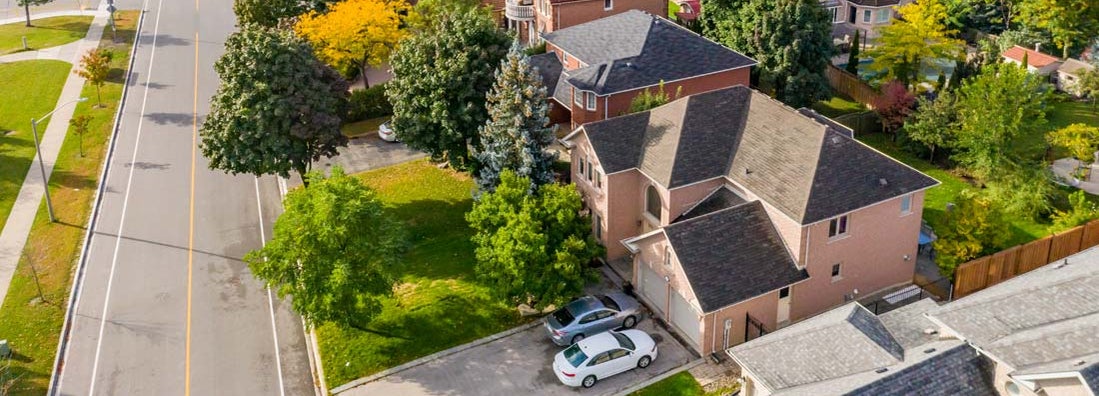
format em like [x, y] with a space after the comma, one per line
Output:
[590, 315]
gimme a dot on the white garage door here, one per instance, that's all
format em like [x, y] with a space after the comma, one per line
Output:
[685, 318]
[654, 289]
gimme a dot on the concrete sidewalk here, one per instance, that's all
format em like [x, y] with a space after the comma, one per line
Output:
[14, 235]
[11, 12]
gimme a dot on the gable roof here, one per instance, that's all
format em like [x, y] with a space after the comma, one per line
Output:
[1043, 321]
[1034, 58]
[635, 49]
[1075, 67]
[732, 255]
[553, 75]
[805, 168]
[722, 198]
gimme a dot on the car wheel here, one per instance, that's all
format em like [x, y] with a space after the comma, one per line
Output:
[577, 338]
[589, 381]
[630, 322]
[644, 362]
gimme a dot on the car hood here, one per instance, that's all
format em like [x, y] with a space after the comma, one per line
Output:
[641, 340]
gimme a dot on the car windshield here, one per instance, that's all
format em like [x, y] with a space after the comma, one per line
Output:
[575, 356]
[624, 341]
[563, 316]
[609, 303]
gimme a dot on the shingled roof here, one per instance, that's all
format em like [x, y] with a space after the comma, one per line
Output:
[807, 169]
[722, 198]
[732, 255]
[635, 49]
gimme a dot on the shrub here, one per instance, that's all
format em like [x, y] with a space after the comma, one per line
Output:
[368, 103]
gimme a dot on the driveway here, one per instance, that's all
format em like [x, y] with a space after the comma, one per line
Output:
[518, 364]
[364, 153]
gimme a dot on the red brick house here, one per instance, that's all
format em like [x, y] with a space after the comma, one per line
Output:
[530, 18]
[594, 70]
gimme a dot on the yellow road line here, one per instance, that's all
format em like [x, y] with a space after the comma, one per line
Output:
[191, 234]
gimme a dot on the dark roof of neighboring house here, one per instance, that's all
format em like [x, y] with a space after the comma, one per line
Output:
[1075, 67]
[722, 198]
[959, 370]
[1034, 58]
[875, 3]
[732, 255]
[550, 68]
[807, 169]
[635, 49]
[1091, 377]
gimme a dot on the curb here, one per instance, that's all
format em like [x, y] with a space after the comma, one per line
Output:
[434, 356]
[78, 279]
[661, 377]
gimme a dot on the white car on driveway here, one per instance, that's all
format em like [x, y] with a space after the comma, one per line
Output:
[386, 132]
[603, 355]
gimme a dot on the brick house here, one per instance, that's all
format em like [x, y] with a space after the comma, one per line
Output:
[530, 18]
[594, 70]
[733, 208]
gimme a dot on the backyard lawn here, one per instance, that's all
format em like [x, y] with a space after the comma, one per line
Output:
[38, 83]
[46, 32]
[437, 303]
[838, 105]
[364, 127]
[31, 325]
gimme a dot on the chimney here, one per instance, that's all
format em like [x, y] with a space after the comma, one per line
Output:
[1037, 47]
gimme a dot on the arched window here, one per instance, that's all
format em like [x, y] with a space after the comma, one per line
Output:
[652, 201]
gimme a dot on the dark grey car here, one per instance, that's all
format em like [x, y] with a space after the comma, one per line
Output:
[590, 315]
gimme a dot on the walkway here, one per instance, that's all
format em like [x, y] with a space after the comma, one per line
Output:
[14, 235]
[1064, 168]
[10, 11]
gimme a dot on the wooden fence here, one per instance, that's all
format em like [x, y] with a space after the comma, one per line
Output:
[990, 270]
[850, 85]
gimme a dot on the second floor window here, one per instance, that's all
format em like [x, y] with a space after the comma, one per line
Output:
[837, 227]
[836, 273]
[652, 201]
[883, 15]
[598, 179]
[580, 167]
[608, 4]
[591, 100]
[906, 204]
[591, 171]
[866, 16]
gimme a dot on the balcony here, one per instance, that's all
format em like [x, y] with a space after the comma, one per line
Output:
[520, 10]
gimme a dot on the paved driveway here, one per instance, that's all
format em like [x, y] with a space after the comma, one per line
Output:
[362, 154]
[519, 364]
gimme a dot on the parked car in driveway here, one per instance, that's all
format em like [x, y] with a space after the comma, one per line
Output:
[590, 315]
[603, 355]
[386, 132]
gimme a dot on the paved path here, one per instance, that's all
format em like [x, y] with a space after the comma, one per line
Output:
[10, 11]
[14, 235]
[164, 305]
[1064, 169]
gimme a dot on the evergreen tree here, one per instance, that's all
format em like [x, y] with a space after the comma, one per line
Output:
[516, 136]
[853, 58]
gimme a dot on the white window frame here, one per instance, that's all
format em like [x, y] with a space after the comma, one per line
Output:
[608, 5]
[598, 179]
[906, 204]
[591, 101]
[842, 227]
[837, 272]
[580, 167]
[598, 227]
[835, 14]
[883, 15]
[867, 16]
[590, 170]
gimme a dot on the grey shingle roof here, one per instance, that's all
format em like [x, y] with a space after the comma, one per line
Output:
[1036, 320]
[732, 255]
[801, 166]
[959, 370]
[1074, 67]
[1091, 377]
[876, 3]
[722, 198]
[551, 70]
[635, 49]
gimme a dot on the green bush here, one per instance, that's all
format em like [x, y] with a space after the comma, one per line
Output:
[368, 103]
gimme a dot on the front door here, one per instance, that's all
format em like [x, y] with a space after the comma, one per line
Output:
[783, 305]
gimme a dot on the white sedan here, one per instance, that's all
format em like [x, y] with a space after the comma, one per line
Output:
[386, 132]
[603, 355]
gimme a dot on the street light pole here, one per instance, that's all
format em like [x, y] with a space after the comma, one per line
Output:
[42, 164]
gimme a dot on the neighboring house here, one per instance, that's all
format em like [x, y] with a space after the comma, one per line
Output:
[743, 214]
[1037, 62]
[1035, 334]
[529, 18]
[864, 15]
[594, 70]
[1069, 74]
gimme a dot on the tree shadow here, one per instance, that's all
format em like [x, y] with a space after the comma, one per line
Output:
[13, 168]
[75, 27]
[69, 180]
[178, 119]
[164, 40]
[439, 245]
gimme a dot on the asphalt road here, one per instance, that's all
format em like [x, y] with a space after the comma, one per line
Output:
[168, 308]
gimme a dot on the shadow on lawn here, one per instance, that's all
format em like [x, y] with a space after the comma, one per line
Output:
[75, 27]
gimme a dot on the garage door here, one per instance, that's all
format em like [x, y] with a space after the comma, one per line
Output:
[685, 318]
[654, 289]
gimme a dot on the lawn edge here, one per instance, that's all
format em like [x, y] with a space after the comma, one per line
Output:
[78, 277]
[667, 374]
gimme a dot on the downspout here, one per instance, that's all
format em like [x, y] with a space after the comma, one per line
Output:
[713, 333]
[808, 234]
[606, 102]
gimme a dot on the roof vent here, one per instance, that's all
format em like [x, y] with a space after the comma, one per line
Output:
[881, 370]
[883, 182]
[929, 350]
[1062, 264]
[629, 64]
[930, 331]
[836, 139]
[747, 171]
[1079, 363]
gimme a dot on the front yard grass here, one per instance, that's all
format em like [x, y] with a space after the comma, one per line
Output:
[46, 32]
[364, 127]
[38, 84]
[437, 302]
[32, 326]
[680, 384]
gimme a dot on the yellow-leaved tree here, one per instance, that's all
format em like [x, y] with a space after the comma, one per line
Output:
[358, 33]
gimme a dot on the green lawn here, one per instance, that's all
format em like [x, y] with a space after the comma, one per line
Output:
[680, 384]
[46, 33]
[32, 327]
[838, 105]
[364, 127]
[437, 303]
[38, 84]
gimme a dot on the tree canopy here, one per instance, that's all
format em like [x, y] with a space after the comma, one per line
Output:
[95, 66]
[355, 33]
[1081, 140]
[26, 4]
[266, 12]
[441, 78]
[532, 248]
[1070, 23]
[933, 123]
[972, 228]
[334, 250]
[910, 43]
[278, 108]
[516, 135]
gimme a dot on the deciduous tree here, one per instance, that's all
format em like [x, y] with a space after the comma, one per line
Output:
[278, 108]
[517, 133]
[1069, 22]
[26, 4]
[893, 106]
[95, 66]
[79, 124]
[650, 99]
[355, 33]
[1080, 140]
[972, 228]
[934, 123]
[913, 41]
[532, 248]
[1079, 213]
[266, 12]
[333, 250]
[441, 77]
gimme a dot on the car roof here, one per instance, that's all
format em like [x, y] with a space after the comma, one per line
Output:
[598, 343]
[584, 305]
